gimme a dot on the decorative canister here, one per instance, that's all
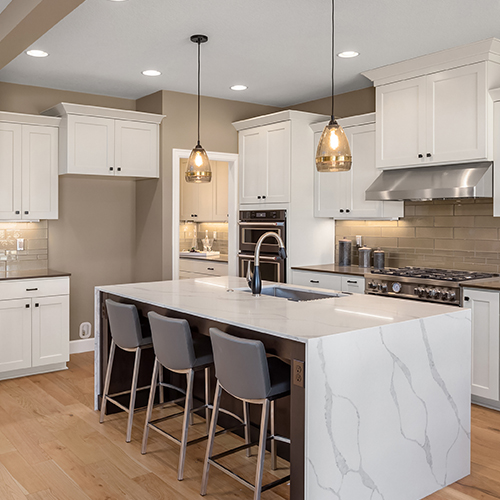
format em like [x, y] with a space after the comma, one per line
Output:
[365, 254]
[379, 259]
[345, 252]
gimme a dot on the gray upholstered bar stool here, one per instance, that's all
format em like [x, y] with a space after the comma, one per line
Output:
[243, 370]
[126, 333]
[176, 350]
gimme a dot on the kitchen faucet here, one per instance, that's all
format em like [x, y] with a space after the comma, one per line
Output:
[254, 281]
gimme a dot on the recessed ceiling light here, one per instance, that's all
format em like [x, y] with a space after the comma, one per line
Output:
[37, 53]
[239, 87]
[147, 72]
[348, 53]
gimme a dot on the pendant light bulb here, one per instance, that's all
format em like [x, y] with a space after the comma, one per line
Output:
[198, 166]
[333, 153]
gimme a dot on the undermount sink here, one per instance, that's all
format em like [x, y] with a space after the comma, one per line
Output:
[295, 294]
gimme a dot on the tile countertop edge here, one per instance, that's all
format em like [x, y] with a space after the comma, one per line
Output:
[24, 275]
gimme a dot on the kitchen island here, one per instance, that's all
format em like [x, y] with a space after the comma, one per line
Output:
[380, 400]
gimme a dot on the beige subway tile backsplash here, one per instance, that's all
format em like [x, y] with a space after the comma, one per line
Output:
[35, 254]
[451, 234]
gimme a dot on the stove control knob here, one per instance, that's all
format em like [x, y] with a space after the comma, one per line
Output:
[452, 296]
[438, 294]
[379, 287]
[421, 291]
[372, 285]
[446, 295]
[396, 287]
[416, 291]
[384, 288]
[429, 292]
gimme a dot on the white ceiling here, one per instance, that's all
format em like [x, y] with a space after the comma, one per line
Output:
[279, 48]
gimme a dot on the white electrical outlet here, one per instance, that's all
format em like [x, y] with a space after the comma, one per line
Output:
[20, 244]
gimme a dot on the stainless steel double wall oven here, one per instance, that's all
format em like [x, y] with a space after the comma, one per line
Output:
[252, 225]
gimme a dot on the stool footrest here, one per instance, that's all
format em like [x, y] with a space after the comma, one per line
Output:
[127, 392]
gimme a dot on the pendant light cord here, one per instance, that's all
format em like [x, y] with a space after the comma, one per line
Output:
[199, 44]
[333, 55]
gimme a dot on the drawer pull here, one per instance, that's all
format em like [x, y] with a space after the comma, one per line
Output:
[313, 281]
[211, 268]
[466, 299]
[353, 282]
[31, 289]
[27, 306]
[36, 305]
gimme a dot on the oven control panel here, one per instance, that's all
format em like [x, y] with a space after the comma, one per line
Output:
[409, 290]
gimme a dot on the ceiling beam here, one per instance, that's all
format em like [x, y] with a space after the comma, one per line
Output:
[22, 23]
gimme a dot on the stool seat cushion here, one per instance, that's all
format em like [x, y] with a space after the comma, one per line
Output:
[279, 373]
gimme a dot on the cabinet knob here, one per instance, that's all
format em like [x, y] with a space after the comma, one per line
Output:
[111, 169]
[347, 210]
[420, 156]
[36, 305]
[17, 212]
[119, 169]
[26, 212]
[341, 210]
[428, 155]
[263, 197]
[258, 197]
[466, 299]
[27, 306]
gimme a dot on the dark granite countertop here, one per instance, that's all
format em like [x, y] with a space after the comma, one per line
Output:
[23, 275]
[336, 269]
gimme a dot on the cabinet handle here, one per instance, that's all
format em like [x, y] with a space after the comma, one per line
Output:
[428, 155]
[119, 169]
[17, 212]
[27, 306]
[36, 305]
[341, 210]
[26, 212]
[354, 282]
[420, 156]
[347, 210]
[258, 197]
[31, 289]
[263, 197]
[466, 299]
[111, 168]
[313, 281]
[211, 268]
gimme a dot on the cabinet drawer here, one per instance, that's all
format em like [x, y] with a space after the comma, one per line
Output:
[317, 280]
[20, 289]
[353, 284]
[203, 267]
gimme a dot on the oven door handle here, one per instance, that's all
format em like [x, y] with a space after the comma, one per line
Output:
[262, 257]
[260, 224]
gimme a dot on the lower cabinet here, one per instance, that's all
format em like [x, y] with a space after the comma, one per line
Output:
[342, 282]
[194, 268]
[34, 327]
[485, 306]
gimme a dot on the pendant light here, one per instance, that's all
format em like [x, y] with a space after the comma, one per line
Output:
[333, 153]
[198, 167]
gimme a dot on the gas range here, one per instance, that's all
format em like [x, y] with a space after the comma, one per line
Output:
[420, 283]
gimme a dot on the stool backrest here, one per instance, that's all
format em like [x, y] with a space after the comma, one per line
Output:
[124, 323]
[240, 365]
[172, 342]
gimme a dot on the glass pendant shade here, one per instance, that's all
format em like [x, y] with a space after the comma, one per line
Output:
[198, 167]
[333, 153]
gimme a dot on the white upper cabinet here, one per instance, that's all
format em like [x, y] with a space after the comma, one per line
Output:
[104, 141]
[341, 195]
[265, 163]
[28, 167]
[435, 109]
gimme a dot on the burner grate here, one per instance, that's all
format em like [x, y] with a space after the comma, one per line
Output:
[433, 274]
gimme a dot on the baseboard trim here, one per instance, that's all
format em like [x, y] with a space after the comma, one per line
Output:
[81, 345]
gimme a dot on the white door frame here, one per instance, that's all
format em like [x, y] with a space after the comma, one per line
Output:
[232, 161]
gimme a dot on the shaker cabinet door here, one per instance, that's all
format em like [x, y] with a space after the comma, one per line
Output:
[10, 171]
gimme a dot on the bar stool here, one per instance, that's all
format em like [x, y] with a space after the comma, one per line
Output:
[243, 370]
[176, 350]
[126, 333]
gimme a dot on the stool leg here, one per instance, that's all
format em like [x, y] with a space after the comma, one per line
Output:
[246, 411]
[273, 441]
[262, 450]
[207, 398]
[185, 424]
[149, 411]
[162, 389]
[133, 392]
[211, 436]
[107, 380]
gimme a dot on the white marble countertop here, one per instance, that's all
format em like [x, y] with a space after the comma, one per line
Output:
[209, 298]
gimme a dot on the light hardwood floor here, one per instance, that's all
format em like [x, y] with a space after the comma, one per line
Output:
[52, 447]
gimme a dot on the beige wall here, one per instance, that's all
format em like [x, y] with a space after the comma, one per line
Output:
[449, 234]
[94, 237]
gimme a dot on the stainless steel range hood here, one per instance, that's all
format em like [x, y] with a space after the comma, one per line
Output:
[465, 180]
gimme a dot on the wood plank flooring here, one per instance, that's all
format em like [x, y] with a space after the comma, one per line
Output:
[52, 447]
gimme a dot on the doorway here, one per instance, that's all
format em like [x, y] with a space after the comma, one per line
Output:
[178, 155]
